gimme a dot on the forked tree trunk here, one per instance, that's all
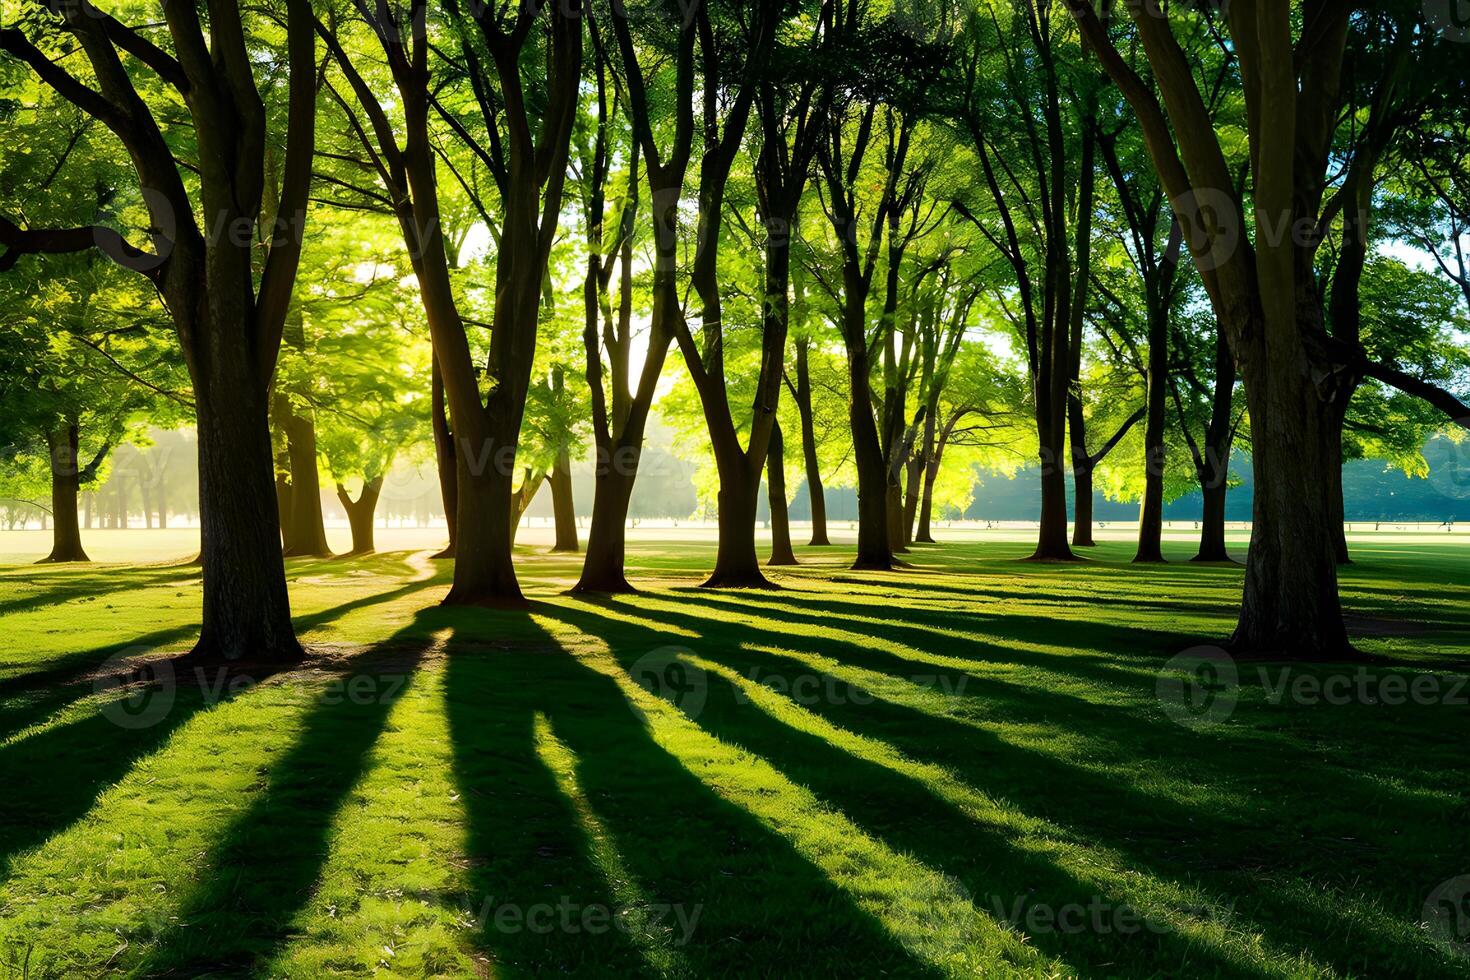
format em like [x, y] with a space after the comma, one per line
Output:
[563, 506]
[66, 536]
[360, 513]
[781, 553]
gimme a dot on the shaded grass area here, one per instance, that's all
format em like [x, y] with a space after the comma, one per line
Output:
[962, 768]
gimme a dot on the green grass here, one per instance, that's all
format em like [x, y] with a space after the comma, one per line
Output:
[860, 774]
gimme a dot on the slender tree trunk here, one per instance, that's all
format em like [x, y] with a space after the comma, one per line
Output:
[360, 513]
[308, 529]
[873, 547]
[87, 510]
[781, 553]
[1212, 521]
[160, 499]
[66, 537]
[1151, 509]
[444, 458]
[815, 494]
[283, 495]
[913, 478]
[1081, 476]
[563, 507]
[931, 476]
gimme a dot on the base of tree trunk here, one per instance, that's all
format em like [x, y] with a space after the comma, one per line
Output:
[446, 554]
[819, 542]
[600, 585]
[738, 580]
[56, 558]
[1086, 542]
[1054, 558]
[1150, 560]
[781, 561]
[486, 601]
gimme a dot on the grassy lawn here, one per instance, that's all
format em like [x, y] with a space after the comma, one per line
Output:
[964, 768]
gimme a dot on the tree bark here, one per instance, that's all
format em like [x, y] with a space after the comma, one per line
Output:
[66, 536]
[781, 553]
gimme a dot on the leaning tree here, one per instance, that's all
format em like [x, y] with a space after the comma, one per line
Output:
[224, 274]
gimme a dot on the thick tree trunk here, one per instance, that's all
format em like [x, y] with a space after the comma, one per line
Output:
[563, 507]
[308, 529]
[360, 513]
[1290, 606]
[736, 563]
[444, 458]
[602, 569]
[1151, 508]
[781, 553]
[247, 612]
[816, 496]
[484, 573]
[1051, 538]
[873, 548]
[895, 512]
[913, 477]
[66, 536]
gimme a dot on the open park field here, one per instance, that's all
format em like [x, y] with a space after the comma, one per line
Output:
[971, 766]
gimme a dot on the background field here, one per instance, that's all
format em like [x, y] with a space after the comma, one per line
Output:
[964, 767]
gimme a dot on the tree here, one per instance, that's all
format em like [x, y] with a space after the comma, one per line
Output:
[228, 308]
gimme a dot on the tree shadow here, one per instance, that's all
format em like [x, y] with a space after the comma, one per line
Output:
[686, 847]
[1236, 851]
[263, 869]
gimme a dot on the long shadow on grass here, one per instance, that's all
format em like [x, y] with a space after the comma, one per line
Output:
[1005, 881]
[53, 777]
[71, 585]
[1234, 852]
[760, 905]
[263, 869]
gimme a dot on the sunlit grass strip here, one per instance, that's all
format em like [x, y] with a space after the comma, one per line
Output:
[924, 910]
[389, 898]
[631, 898]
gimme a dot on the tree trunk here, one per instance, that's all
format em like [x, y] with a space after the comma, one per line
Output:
[1212, 522]
[1151, 509]
[873, 548]
[66, 537]
[736, 563]
[816, 496]
[484, 573]
[247, 612]
[563, 507]
[360, 513]
[912, 480]
[931, 476]
[894, 508]
[781, 553]
[1290, 605]
[602, 569]
[283, 495]
[308, 529]
[444, 458]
